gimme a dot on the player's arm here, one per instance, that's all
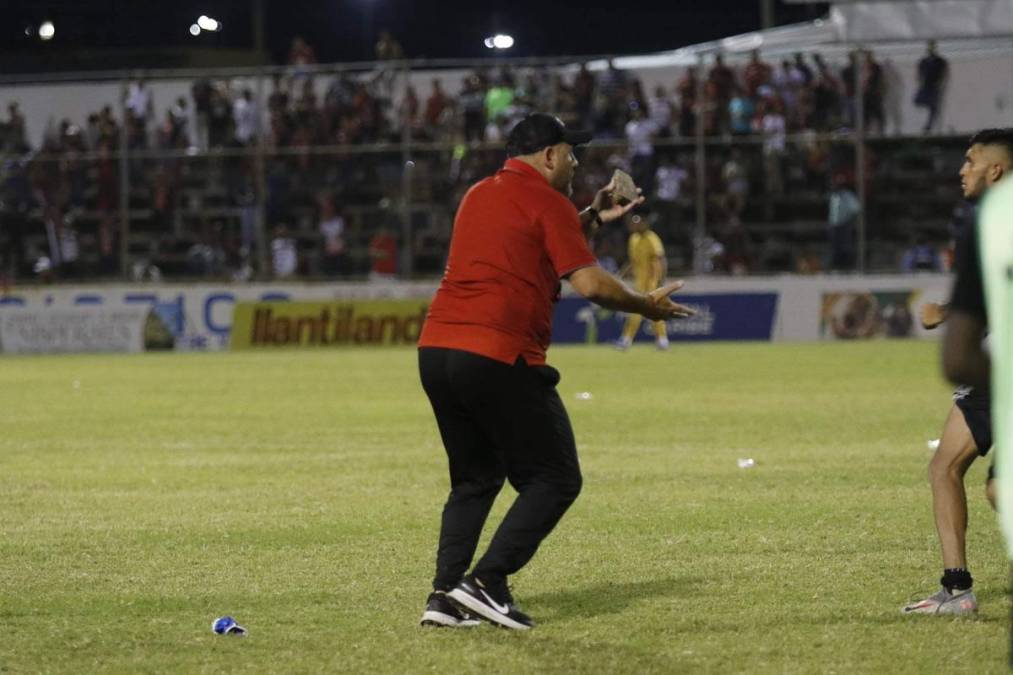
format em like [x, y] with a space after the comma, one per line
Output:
[965, 360]
[603, 289]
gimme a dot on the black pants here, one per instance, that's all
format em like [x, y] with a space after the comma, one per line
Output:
[498, 423]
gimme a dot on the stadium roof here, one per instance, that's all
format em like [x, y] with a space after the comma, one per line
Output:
[963, 27]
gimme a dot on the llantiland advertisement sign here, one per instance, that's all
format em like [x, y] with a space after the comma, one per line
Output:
[267, 325]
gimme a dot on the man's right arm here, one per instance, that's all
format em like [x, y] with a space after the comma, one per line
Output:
[603, 289]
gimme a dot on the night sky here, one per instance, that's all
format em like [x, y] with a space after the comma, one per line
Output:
[344, 30]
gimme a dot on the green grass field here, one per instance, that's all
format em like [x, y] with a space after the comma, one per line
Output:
[142, 496]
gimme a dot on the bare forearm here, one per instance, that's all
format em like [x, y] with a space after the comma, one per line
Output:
[603, 289]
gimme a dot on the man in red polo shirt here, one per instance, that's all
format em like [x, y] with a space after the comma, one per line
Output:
[482, 364]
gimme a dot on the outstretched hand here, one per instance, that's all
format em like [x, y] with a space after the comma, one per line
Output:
[661, 306]
[608, 210]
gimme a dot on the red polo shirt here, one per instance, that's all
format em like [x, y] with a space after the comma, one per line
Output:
[514, 237]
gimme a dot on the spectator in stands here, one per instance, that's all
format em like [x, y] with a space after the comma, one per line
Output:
[660, 111]
[668, 181]
[612, 83]
[735, 176]
[178, 119]
[219, 119]
[246, 118]
[873, 90]
[333, 261]
[770, 122]
[140, 104]
[640, 139]
[687, 88]
[722, 83]
[383, 255]
[933, 73]
[737, 258]
[611, 106]
[438, 107]
[201, 93]
[804, 68]
[301, 53]
[15, 139]
[921, 257]
[277, 101]
[284, 253]
[15, 204]
[387, 48]
[740, 112]
[584, 90]
[498, 98]
[826, 97]
[787, 82]
[408, 112]
[848, 83]
[472, 100]
[841, 221]
[756, 74]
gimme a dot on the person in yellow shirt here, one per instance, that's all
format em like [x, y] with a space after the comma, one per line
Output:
[646, 262]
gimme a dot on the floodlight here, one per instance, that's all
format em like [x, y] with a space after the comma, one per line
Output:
[209, 24]
[47, 30]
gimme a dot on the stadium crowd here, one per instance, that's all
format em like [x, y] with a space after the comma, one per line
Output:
[195, 197]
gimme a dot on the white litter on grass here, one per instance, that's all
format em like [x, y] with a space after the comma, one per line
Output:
[584, 396]
[746, 462]
[933, 444]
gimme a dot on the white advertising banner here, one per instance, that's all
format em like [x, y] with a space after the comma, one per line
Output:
[87, 328]
[199, 316]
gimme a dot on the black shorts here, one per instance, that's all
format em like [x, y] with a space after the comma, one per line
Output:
[977, 409]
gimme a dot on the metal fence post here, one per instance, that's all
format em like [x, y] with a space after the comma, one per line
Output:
[260, 228]
[407, 171]
[124, 181]
[701, 156]
[859, 108]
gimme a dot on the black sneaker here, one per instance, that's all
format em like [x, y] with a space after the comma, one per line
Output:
[440, 611]
[494, 605]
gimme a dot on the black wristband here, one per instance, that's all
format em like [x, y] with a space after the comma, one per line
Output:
[595, 216]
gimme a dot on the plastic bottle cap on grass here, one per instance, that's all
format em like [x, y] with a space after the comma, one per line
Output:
[226, 625]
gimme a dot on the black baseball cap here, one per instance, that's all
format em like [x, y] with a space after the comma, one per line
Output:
[540, 130]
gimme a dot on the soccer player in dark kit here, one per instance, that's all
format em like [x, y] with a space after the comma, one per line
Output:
[482, 364]
[967, 433]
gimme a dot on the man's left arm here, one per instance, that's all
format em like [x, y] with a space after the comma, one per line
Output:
[603, 210]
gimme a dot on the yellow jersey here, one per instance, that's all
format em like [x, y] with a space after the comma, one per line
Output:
[644, 248]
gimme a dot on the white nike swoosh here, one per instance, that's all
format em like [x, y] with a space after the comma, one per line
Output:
[502, 609]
